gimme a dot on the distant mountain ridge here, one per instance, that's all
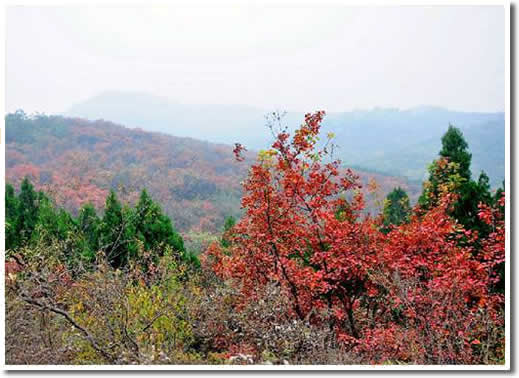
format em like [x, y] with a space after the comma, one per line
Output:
[392, 141]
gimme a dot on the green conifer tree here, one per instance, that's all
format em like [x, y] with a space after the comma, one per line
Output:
[46, 227]
[455, 149]
[11, 218]
[470, 193]
[153, 227]
[396, 208]
[88, 226]
[27, 211]
[112, 232]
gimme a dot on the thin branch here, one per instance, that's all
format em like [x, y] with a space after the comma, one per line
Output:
[67, 316]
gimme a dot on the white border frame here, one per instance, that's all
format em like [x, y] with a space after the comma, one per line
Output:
[295, 3]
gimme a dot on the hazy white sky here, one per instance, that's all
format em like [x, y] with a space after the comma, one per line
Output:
[334, 58]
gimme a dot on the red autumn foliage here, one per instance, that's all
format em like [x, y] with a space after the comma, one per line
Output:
[415, 295]
[494, 245]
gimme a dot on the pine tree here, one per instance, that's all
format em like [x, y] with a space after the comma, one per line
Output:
[112, 232]
[11, 218]
[129, 234]
[27, 210]
[153, 227]
[396, 208]
[454, 153]
[457, 158]
[88, 227]
[466, 209]
[46, 227]
[229, 223]
[455, 149]
[66, 224]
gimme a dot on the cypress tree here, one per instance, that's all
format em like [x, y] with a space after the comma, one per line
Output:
[470, 193]
[88, 225]
[27, 210]
[466, 209]
[11, 218]
[455, 149]
[153, 227]
[47, 223]
[112, 232]
[396, 208]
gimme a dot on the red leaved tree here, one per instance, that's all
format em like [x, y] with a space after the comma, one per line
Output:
[303, 231]
[302, 228]
[437, 297]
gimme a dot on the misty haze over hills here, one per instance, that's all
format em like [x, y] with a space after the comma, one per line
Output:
[392, 141]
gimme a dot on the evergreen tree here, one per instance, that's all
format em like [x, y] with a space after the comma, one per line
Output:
[88, 226]
[66, 224]
[112, 232]
[46, 227]
[33, 217]
[129, 234]
[27, 210]
[466, 208]
[455, 149]
[153, 227]
[11, 218]
[458, 176]
[229, 223]
[396, 208]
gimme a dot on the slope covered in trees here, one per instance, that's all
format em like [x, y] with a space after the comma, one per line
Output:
[79, 161]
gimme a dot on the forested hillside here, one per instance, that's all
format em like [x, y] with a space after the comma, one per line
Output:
[80, 161]
[197, 183]
[302, 277]
[392, 141]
